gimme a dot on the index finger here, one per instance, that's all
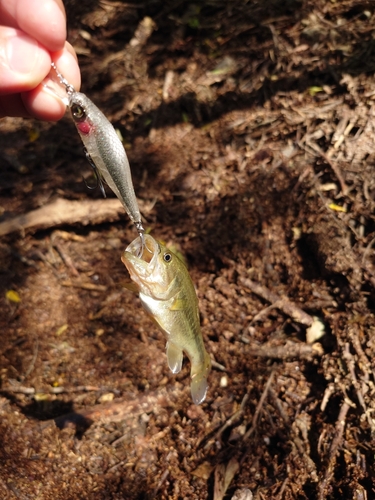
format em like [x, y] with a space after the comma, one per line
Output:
[43, 20]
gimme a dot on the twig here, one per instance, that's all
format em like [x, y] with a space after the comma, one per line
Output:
[309, 463]
[364, 362]
[117, 411]
[161, 481]
[280, 495]
[65, 212]
[65, 258]
[297, 441]
[259, 406]
[282, 303]
[84, 286]
[330, 389]
[54, 390]
[218, 366]
[279, 406]
[116, 466]
[287, 351]
[18, 390]
[332, 164]
[350, 361]
[263, 313]
[234, 418]
[33, 360]
[340, 426]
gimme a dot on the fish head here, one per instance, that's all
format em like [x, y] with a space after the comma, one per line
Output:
[81, 109]
[151, 266]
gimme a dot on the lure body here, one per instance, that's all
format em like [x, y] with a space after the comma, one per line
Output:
[168, 295]
[105, 151]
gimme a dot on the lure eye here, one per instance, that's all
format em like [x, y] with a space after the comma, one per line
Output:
[167, 257]
[78, 112]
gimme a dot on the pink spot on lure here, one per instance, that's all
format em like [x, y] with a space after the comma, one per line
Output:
[84, 127]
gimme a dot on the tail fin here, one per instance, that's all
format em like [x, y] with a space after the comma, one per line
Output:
[199, 384]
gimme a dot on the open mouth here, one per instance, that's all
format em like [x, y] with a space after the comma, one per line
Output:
[149, 249]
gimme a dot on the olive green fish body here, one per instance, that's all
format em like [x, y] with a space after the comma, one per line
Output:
[168, 295]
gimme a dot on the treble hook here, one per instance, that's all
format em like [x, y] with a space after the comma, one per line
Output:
[99, 181]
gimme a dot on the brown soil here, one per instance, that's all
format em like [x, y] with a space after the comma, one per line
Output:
[249, 128]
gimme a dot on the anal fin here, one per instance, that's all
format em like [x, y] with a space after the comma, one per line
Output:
[174, 357]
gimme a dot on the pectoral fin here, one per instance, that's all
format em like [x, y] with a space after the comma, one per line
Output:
[178, 305]
[132, 287]
[174, 357]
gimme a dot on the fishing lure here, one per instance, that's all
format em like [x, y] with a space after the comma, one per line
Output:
[104, 150]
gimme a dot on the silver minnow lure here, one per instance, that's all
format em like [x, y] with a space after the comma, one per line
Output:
[104, 150]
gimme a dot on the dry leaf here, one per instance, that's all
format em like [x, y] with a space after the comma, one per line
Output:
[224, 476]
[62, 329]
[203, 470]
[13, 296]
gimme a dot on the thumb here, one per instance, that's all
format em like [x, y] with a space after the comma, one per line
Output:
[24, 63]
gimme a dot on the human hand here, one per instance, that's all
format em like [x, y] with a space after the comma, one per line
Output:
[32, 35]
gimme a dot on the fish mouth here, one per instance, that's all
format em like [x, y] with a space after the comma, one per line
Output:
[141, 266]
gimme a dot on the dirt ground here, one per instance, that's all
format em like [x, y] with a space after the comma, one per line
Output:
[249, 127]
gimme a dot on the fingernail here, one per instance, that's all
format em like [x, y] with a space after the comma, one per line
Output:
[22, 53]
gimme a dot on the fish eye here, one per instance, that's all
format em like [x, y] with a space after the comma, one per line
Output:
[78, 112]
[167, 257]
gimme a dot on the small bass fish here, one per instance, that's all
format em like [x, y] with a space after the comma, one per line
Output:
[168, 295]
[104, 149]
